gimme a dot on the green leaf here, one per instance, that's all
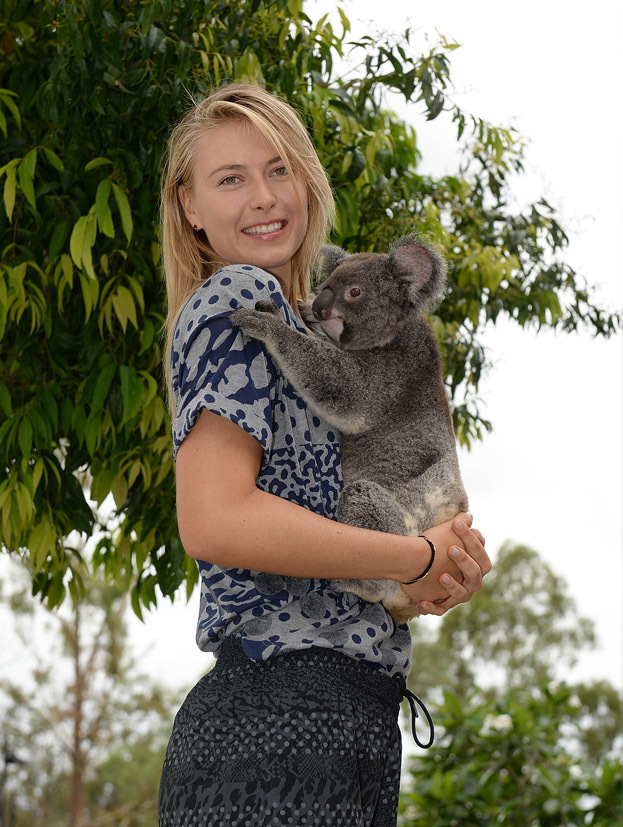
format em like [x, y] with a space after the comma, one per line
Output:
[59, 237]
[37, 473]
[50, 407]
[90, 233]
[124, 210]
[30, 162]
[135, 599]
[119, 490]
[75, 504]
[6, 96]
[131, 392]
[102, 386]
[24, 437]
[26, 174]
[96, 162]
[68, 269]
[67, 409]
[56, 592]
[90, 293]
[5, 400]
[147, 335]
[53, 158]
[100, 488]
[138, 291]
[42, 542]
[104, 216]
[9, 191]
[91, 432]
[357, 165]
[152, 386]
[124, 307]
[76, 242]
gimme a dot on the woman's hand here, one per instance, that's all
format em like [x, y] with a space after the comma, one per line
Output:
[460, 565]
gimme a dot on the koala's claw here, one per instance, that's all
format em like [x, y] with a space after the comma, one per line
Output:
[256, 323]
[267, 306]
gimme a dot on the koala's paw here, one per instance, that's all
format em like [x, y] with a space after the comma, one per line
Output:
[387, 592]
[305, 309]
[267, 306]
[399, 604]
[372, 591]
[257, 323]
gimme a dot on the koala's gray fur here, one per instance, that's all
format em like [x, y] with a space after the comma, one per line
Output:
[382, 387]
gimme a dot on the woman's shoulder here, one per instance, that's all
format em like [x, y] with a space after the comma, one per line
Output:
[230, 287]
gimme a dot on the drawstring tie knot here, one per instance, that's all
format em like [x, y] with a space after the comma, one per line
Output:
[414, 702]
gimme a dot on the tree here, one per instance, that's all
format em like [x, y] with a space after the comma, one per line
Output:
[528, 640]
[505, 762]
[516, 743]
[87, 93]
[522, 629]
[90, 732]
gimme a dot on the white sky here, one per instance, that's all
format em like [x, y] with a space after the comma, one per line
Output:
[550, 475]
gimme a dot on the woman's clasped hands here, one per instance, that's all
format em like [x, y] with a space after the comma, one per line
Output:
[457, 573]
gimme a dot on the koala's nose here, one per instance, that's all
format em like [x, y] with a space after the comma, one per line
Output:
[321, 307]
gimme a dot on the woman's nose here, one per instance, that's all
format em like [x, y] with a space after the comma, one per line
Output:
[262, 196]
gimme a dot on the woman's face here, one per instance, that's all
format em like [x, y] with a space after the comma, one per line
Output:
[245, 201]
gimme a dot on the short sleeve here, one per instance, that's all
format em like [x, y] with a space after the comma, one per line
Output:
[214, 366]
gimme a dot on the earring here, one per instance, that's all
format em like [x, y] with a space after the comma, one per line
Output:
[195, 227]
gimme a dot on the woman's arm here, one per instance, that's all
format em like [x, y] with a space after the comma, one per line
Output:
[225, 519]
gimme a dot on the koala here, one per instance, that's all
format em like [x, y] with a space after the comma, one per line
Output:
[377, 378]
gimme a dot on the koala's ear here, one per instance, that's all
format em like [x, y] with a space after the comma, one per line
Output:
[420, 268]
[332, 257]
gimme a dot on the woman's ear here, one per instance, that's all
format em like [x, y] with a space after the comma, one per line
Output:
[187, 205]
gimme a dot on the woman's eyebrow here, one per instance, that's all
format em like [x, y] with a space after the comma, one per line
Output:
[225, 167]
[241, 166]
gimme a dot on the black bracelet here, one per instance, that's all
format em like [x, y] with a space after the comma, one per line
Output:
[433, 551]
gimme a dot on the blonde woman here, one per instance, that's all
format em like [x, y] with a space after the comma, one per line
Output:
[297, 722]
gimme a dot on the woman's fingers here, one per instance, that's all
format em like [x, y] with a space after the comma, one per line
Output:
[473, 542]
[473, 562]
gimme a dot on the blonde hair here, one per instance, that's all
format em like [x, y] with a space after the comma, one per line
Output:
[187, 256]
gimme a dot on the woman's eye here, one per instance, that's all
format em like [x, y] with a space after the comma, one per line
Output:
[231, 179]
[280, 172]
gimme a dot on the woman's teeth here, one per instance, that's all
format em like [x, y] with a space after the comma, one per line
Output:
[264, 228]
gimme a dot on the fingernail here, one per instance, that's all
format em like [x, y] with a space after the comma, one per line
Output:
[458, 524]
[455, 553]
[446, 580]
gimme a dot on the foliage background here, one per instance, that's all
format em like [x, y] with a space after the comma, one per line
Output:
[492, 469]
[89, 88]
[87, 731]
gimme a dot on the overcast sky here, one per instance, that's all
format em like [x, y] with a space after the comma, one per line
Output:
[550, 474]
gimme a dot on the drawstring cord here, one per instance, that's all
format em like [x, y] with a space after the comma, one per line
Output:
[414, 702]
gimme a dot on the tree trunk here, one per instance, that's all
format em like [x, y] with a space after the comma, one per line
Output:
[77, 775]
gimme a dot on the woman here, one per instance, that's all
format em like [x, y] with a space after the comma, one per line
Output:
[297, 722]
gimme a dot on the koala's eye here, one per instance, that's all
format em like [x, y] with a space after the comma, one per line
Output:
[354, 292]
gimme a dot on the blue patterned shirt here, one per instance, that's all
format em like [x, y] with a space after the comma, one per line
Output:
[216, 367]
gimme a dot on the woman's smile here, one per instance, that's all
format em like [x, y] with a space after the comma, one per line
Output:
[265, 229]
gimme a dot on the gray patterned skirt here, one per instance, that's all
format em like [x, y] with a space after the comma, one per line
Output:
[309, 739]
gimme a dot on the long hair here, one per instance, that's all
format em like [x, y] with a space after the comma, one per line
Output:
[187, 256]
